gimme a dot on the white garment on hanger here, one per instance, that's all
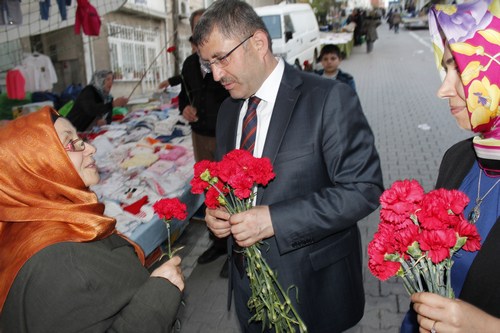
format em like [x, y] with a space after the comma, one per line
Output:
[39, 72]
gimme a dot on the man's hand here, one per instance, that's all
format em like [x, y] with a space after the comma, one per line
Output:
[163, 84]
[189, 113]
[251, 226]
[218, 222]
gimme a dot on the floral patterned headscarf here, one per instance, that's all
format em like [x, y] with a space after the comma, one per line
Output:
[472, 30]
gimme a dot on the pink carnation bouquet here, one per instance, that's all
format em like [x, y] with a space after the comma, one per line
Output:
[417, 236]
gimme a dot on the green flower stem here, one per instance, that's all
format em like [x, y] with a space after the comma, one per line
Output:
[268, 298]
[168, 240]
[435, 276]
[412, 274]
[428, 277]
[271, 304]
[449, 290]
[409, 288]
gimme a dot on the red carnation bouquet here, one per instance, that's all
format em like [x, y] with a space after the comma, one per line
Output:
[231, 184]
[418, 235]
[168, 209]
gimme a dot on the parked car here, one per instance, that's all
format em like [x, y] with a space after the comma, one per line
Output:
[294, 32]
[417, 22]
[417, 19]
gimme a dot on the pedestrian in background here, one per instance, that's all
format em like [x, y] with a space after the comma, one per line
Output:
[327, 170]
[396, 20]
[357, 17]
[330, 58]
[94, 105]
[471, 166]
[371, 22]
[199, 102]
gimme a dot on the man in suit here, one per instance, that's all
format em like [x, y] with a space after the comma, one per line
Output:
[327, 169]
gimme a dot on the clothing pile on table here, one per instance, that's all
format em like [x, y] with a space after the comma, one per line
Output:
[145, 157]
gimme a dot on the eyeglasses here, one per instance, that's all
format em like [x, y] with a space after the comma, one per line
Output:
[75, 145]
[223, 61]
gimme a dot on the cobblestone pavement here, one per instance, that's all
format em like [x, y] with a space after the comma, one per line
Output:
[397, 86]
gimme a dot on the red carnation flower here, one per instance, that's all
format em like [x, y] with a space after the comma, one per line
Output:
[437, 243]
[377, 249]
[466, 229]
[400, 201]
[170, 208]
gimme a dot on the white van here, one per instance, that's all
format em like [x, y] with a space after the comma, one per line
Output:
[294, 31]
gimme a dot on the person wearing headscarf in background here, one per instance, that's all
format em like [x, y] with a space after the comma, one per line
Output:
[470, 54]
[64, 267]
[94, 105]
[371, 22]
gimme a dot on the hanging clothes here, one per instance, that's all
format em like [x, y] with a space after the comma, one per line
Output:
[45, 7]
[10, 12]
[39, 72]
[87, 18]
[15, 84]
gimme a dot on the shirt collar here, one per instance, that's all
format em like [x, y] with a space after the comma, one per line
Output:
[269, 89]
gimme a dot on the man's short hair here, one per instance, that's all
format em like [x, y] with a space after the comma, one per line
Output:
[197, 12]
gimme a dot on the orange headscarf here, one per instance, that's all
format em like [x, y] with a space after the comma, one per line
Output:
[43, 200]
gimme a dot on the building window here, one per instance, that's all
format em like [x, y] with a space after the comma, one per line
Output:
[132, 50]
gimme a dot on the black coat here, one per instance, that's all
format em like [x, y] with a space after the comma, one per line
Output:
[205, 94]
[481, 287]
[88, 106]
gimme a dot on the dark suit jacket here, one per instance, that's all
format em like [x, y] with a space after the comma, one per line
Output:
[482, 284]
[328, 177]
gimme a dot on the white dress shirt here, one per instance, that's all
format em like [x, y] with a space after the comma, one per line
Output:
[267, 93]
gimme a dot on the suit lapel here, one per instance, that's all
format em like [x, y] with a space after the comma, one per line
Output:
[287, 97]
[231, 126]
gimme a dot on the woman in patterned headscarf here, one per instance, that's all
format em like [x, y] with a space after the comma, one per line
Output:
[94, 105]
[63, 266]
[466, 41]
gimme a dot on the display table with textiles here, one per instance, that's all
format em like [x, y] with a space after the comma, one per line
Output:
[143, 158]
[344, 40]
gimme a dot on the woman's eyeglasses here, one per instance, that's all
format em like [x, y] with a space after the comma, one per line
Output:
[75, 145]
[223, 61]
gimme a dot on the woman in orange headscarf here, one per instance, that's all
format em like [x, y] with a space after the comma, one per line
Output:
[63, 267]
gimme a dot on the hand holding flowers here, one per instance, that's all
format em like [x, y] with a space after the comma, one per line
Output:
[230, 193]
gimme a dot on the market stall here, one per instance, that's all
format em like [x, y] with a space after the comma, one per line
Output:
[146, 156]
[344, 40]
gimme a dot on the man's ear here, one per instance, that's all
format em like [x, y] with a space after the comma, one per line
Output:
[260, 42]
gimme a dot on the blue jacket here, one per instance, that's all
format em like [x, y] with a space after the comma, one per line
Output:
[343, 77]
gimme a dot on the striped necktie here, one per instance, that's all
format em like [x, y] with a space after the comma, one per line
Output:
[249, 127]
[248, 134]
